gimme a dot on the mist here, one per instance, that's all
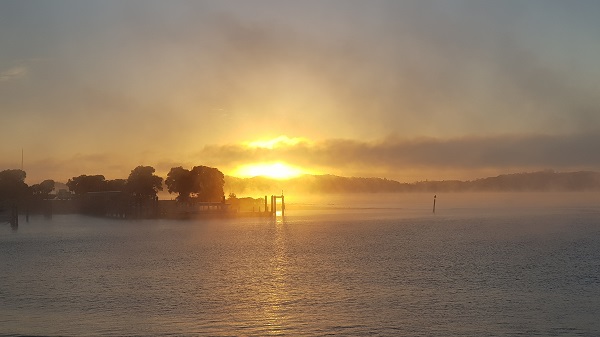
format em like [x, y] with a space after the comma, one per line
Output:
[160, 82]
[397, 158]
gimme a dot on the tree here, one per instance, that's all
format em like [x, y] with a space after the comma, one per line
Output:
[84, 184]
[202, 183]
[179, 180]
[43, 189]
[209, 183]
[143, 184]
[12, 184]
[116, 185]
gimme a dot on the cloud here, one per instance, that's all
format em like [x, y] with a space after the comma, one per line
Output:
[504, 152]
[392, 157]
[369, 70]
[123, 79]
[427, 74]
[13, 73]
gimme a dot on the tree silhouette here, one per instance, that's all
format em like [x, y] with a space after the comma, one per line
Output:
[179, 180]
[143, 184]
[116, 185]
[202, 183]
[84, 184]
[209, 183]
[43, 189]
[12, 184]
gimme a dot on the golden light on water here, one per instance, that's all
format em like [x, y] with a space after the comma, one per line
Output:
[277, 170]
[274, 300]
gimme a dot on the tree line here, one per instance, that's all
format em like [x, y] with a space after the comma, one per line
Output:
[13, 187]
[200, 184]
[516, 182]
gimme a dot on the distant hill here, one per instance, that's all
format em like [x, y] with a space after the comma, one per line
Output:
[532, 181]
[312, 184]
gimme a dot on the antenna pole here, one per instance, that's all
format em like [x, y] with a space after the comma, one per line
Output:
[21, 159]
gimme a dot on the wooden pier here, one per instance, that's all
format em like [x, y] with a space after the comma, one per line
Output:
[116, 204]
[274, 204]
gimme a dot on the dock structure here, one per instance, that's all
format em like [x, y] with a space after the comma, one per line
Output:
[117, 204]
[274, 204]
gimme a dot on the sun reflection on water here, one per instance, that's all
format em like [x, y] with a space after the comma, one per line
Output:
[275, 309]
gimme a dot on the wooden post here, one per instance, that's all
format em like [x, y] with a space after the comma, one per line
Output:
[272, 205]
[282, 206]
[434, 203]
[266, 209]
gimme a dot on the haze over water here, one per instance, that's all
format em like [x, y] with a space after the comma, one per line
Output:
[117, 99]
[399, 270]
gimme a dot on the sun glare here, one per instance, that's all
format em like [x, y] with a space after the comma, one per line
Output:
[274, 170]
[269, 170]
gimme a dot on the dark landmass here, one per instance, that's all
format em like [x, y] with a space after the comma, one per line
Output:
[201, 191]
[518, 182]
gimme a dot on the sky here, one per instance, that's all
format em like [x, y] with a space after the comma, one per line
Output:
[405, 90]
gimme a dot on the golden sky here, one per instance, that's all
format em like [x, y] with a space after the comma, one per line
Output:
[406, 90]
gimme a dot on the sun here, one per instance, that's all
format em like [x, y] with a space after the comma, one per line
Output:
[276, 170]
[272, 169]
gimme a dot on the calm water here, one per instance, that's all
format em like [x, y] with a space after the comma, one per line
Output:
[483, 266]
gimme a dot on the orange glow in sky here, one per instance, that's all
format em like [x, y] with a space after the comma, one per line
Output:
[275, 142]
[272, 169]
[360, 90]
[276, 170]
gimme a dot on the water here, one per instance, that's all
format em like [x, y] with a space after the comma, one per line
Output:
[488, 266]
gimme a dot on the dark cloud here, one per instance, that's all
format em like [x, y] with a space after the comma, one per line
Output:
[392, 157]
[525, 152]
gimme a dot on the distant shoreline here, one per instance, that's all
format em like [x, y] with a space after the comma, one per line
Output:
[540, 181]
